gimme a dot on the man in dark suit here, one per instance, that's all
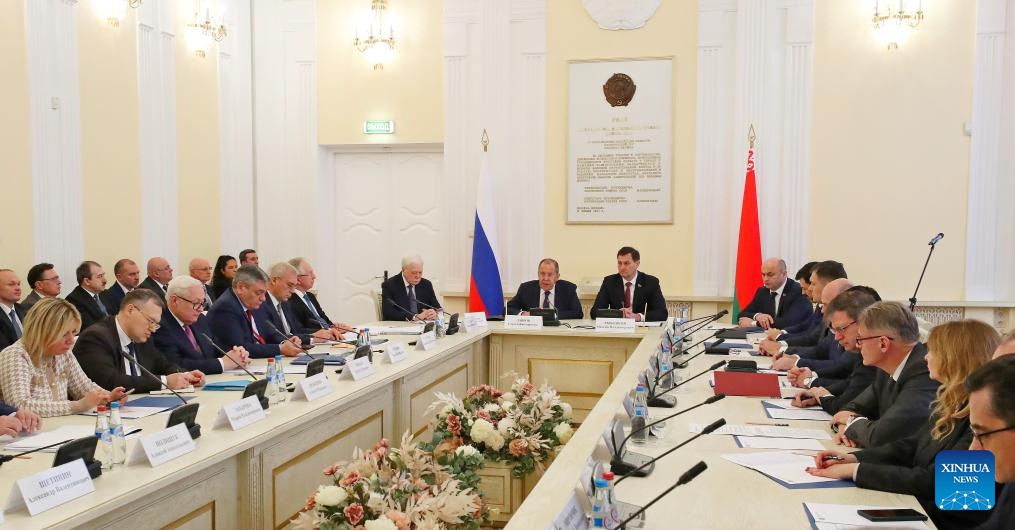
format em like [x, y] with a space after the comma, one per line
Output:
[200, 270]
[992, 419]
[787, 355]
[100, 349]
[182, 337]
[128, 276]
[898, 401]
[248, 256]
[549, 291]
[13, 314]
[85, 297]
[778, 303]
[636, 293]
[44, 282]
[409, 296]
[277, 310]
[160, 272]
[232, 320]
[310, 316]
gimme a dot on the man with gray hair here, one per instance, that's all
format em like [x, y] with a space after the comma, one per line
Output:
[409, 296]
[548, 292]
[779, 302]
[276, 313]
[232, 321]
[306, 308]
[1007, 346]
[182, 335]
[898, 402]
[160, 272]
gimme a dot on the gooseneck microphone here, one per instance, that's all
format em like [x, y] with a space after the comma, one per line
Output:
[149, 373]
[223, 352]
[933, 243]
[620, 448]
[701, 325]
[688, 476]
[703, 350]
[715, 366]
[404, 310]
[8, 458]
[428, 306]
[707, 430]
[938, 237]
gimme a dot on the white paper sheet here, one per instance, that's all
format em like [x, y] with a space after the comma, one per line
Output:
[764, 430]
[787, 404]
[44, 438]
[785, 466]
[396, 330]
[762, 442]
[798, 414]
[844, 516]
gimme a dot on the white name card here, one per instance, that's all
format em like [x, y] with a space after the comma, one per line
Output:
[426, 341]
[312, 387]
[572, 517]
[357, 369]
[617, 325]
[50, 488]
[396, 353]
[520, 322]
[239, 414]
[163, 446]
[474, 321]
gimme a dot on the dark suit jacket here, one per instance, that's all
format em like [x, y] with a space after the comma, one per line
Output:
[565, 299]
[267, 313]
[217, 289]
[895, 409]
[907, 466]
[98, 352]
[828, 358]
[7, 336]
[305, 320]
[395, 290]
[794, 307]
[7, 410]
[847, 389]
[647, 297]
[229, 326]
[817, 318]
[1003, 512]
[30, 300]
[89, 309]
[112, 297]
[153, 285]
[208, 293]
[172, 342]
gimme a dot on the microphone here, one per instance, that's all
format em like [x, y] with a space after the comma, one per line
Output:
[938, 237]
[8, 458]
[688, 476]
[619, 449]
[703, 350]
[707, 430]
[288, 336]
[223, 352]
[715, 366]
[428, 306]
[134, 360]
[701, 325]
[404, 310]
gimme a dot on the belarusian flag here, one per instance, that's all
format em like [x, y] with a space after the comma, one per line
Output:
[748, 276]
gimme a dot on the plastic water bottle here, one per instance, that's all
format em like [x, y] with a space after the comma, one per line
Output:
[639, 433]
[600, 505]
[439, 324]
[613, 517]
[665, 365]
[119, 440]
[678, 338]
[280, 379]
[104, 452]
[272, 389]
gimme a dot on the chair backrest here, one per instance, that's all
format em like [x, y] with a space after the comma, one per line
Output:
[375, 295]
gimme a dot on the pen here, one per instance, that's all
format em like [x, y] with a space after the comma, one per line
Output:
[768, 424]
[129, 392]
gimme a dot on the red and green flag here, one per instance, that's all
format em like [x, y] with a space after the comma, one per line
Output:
[748, 275]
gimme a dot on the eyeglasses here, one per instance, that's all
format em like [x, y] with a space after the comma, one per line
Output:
[197, 305]
[205, 269]
[152, 324]
[859, 340]
[841, 329]
[982, 435]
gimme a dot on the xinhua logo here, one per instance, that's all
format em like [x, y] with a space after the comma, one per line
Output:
[964, 480]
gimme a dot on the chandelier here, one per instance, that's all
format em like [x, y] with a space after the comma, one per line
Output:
[893, 18]
[377, 47]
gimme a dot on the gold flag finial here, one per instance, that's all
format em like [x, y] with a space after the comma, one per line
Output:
[485, 141]
[751, 136]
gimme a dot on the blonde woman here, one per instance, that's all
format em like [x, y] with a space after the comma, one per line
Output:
[954, 350]
[37, 373]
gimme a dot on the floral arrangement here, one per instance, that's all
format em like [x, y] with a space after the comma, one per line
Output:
[523, 426]
[398, 489]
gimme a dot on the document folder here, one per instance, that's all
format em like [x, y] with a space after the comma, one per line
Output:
[746, 384]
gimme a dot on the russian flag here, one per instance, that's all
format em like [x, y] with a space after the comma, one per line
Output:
[485, 291]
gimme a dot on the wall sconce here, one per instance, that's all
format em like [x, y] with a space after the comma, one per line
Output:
[201, 33]
[376, 47]
[893, 18]
[113, 11]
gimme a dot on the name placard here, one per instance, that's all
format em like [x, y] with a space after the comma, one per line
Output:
[163, 446]
[50, 488]
[473, 321]
[396, 353]
[616, 325]
[312, 387]
[520, 322]
[239, 414]
[572, 516]
[357, 369]
[426, 341]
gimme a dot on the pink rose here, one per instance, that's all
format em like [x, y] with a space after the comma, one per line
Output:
[518, 447]
[330, 470]
[353, 513]
[350, 478]
[454, 425]
[400, 519]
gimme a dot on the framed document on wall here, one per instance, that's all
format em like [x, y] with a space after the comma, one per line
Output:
[620, 141]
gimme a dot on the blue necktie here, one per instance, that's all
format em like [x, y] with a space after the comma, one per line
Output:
[546, 299]
[313, 311]
[102, 307]
[14, 322]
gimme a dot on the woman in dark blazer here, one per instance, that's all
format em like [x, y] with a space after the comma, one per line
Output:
[222, 278]
[954, 350]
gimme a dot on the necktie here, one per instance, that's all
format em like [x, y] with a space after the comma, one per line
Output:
[775, 302]
[413, 306]
[281, 316]
[313, 311]
[250, 319]
[207, 298]
[627, 294]
[102, 307]
[546, 299]
[133, 366]
[190, 336]
[165, 288]
[14, 322]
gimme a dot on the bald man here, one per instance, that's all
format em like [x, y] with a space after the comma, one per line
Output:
[778, 303]
[160, 273]
[200, 270]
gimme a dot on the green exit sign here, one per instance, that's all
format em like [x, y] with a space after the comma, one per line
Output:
[379, 127]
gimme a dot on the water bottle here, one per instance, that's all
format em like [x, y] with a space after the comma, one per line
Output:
[600, 505]
[439, 324]
[361, 338]
[639, 433]
[104, 451]
[272, 389]
[119, 440]
[683, 313]
[665, 365]
[280, 379]
[613, 517]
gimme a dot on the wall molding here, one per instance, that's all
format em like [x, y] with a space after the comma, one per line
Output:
[236, 149]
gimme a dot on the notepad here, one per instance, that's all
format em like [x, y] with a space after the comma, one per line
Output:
[66, 432]
[786, 468]
[235, 384]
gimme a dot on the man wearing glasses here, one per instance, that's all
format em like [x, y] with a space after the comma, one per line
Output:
[277, 310]
[992, 418]
[45, 282]
[232, 320]
[104, 350]
[200, 270]
[160, 272]
[814, 357]
[181, 337]
[898, 401]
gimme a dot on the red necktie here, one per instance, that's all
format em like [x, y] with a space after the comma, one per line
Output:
[250, 318]
[627, 294]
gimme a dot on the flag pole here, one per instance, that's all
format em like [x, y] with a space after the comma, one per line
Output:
[485, 140]
[750, 136]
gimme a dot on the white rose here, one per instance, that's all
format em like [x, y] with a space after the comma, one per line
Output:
[330, 495]
[467, 450]
[445, 411]
[507, 406]
[376, 502]
[495, 441]
[505, 424]
[563, 432]
[481, 430]
[509, 397]
[381, 523]
[492, 407]
[568, 411]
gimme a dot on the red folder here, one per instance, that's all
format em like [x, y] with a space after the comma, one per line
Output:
[746, 384]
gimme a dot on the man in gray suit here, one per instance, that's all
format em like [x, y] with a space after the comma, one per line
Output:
[898, 401]
[45, 283]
